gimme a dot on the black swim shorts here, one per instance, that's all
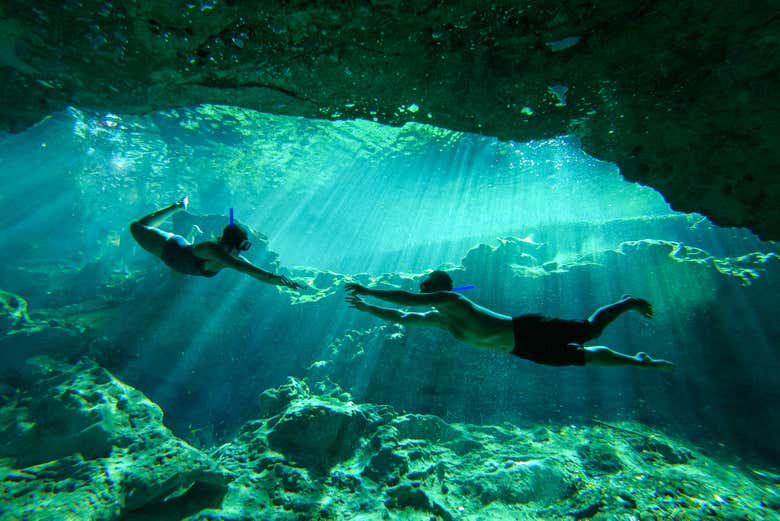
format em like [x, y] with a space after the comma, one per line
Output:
[551, 341]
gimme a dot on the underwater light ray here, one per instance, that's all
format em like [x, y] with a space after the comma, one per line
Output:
[746, 311]
[288, 224]
[41, 231]
[437, 201]
[41, 222]
[391, 210]
[159, 324]
[328, 220]
[355, 207]
[467, 202]
[685, 350]
[461, 207]
[650, 403]
[605, 394]
[462, 183]
[202, 339]
[464, 220]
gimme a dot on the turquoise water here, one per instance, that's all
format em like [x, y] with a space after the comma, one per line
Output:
[535, 227]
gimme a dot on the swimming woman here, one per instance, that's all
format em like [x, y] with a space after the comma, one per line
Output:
[204, 259]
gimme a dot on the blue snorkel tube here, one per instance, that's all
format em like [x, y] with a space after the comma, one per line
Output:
[464, 288]
[245, 245]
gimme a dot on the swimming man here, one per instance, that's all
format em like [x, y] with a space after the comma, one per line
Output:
[544, 340]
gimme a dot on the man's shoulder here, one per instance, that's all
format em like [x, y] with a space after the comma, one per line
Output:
[446, 299]
[449, 296]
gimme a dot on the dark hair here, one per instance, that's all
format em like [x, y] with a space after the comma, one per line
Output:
[233, 236]
[437, 281]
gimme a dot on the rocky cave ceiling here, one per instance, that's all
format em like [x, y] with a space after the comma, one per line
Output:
[682, 95]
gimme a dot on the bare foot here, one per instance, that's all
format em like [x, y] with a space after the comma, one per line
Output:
[654, 363]
[641, 305]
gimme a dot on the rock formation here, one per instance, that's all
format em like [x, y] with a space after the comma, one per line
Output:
[678, 93]
[78, 443]
[83, 445]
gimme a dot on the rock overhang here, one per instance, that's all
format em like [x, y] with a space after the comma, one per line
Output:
[678, 94]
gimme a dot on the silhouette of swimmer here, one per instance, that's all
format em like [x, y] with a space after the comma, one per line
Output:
[540, 339]
[204, 259]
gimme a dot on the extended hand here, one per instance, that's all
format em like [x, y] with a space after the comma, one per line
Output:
[284, 281]
[355, 289]
[357, 303]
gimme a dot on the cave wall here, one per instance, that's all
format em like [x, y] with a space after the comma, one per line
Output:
[675, 92]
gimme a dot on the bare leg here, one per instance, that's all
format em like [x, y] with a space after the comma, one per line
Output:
[607, 314]
[145, 230]
[604, 356]
[158, 217]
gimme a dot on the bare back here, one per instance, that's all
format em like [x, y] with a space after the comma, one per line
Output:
[474, 324]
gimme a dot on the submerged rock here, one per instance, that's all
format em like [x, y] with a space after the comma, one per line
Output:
[411, 496]
[538, 481]
[599, 457]
[318, 433]
[87, 446]
[13, 313]
[386, 466]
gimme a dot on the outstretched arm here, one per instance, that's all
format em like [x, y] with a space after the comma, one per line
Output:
[430, 318]
[211, 251]
[403, 298]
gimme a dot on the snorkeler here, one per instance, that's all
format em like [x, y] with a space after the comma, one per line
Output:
[206, 258]
[540, 339]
